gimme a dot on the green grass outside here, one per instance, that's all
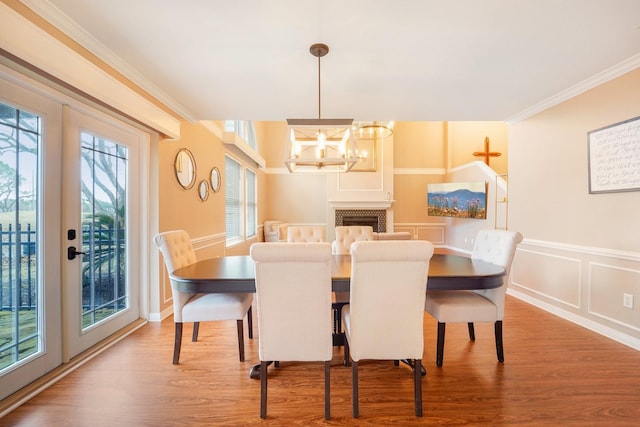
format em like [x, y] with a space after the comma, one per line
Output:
[26, 217]
[27, 327]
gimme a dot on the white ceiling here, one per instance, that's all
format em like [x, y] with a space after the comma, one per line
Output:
[405, 60]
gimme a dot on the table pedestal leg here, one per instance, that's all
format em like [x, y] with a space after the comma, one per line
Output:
[254, 373]
[409, 363]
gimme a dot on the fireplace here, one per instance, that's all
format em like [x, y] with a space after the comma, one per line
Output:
[376, 218]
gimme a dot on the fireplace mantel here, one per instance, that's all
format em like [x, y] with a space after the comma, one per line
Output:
[360, 204]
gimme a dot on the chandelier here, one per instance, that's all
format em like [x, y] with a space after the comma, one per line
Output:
[372, 130]
[321, 145]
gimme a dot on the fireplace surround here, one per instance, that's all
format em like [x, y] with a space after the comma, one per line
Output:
[376, 218]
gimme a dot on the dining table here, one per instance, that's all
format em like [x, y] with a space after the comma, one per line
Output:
[236, 274]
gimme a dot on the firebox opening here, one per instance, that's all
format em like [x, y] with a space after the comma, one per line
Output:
[376, 218]
[362, 220]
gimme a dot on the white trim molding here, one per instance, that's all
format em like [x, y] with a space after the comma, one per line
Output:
[582, 284]
[600, 78]
[45, 52]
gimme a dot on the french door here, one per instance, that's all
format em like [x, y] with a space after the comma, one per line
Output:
[101, 229]
[30, 292]
[73, 192]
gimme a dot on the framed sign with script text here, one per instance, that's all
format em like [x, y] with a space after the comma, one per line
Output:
[614, 157]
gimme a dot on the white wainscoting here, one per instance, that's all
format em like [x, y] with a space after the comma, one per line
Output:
[549, 276]
[582, 284]
[433, 232]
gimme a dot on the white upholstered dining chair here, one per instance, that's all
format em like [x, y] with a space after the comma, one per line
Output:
[384, 318]
[178, 252]
[493, 246]
[305, 234]
[294, 315]
[345, 236]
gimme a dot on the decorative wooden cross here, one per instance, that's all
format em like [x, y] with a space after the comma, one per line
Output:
[486, 153]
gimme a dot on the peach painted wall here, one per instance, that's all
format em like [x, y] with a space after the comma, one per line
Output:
[182, 208]
[549, 190]
[581, 252]
[465, 138]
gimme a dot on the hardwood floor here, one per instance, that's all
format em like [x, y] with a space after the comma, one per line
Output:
[555, 373]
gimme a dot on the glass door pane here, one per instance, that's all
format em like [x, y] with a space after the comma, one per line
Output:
[20, 329]
[104, 228]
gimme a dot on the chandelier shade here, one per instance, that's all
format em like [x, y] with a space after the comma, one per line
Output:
[320, 145]
[372, 130]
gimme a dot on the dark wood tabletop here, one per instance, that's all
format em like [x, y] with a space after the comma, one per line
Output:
[236, 274]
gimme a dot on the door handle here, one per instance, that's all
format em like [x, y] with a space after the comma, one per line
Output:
[72, 252]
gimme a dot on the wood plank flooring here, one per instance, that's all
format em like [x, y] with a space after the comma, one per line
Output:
[555, 373]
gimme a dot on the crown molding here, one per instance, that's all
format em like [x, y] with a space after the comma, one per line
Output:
[56, 61]
[600, 78]
[54, 16]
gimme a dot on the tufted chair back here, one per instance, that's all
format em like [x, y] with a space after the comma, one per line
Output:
[294, 318]
[177, 252]
[346, 235]
[497, 247]
[384, 318]
[305, 234]
[388, 289]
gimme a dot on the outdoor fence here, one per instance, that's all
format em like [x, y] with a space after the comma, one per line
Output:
[18, 244]
[18, 267]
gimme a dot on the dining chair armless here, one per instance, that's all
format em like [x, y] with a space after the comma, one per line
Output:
[345, 236]
[493, 246]
[293, 301]
[305, 234]
[385, 315]
[178, 252]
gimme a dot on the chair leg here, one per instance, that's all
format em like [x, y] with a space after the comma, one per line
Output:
[472, 331]
[250, 322]
[417, 381]
[196, 329]
[263, 388]
[327, 390]
[499, 347]
[240, 339]
[440, 344]
[354, 386]
[177, 342]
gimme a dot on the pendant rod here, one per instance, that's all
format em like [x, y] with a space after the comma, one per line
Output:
[319, 115]
[319, 50]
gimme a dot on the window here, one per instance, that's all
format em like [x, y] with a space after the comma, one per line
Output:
[240, 201]
[244, 129]
[252, 204]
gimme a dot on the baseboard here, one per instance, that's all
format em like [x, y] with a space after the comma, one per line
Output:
[579, 320]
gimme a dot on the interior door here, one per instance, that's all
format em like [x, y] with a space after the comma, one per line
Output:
[101, 228]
